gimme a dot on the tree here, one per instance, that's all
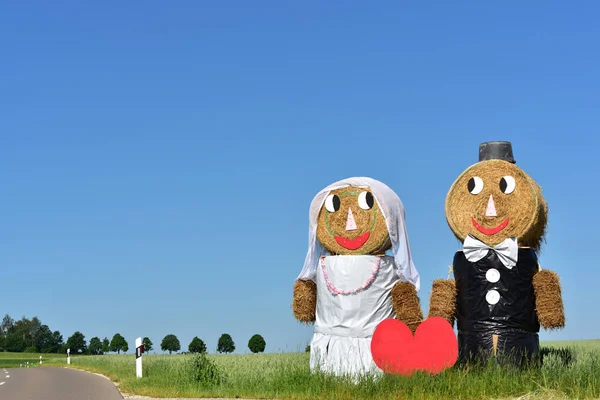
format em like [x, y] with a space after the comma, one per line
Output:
[257, 344]
[24, 328]
[57, 341]
[14, 342]
[119, 344]
[225, 344]
[170, 343]
[147, 344]
[77, 343]
[44, 340]
[197, 345]
[33, 328]
[95, 347]
[27, 329]
[105, 345]
[7, 323]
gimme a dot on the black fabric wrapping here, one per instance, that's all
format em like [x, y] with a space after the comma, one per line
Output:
[513, 318]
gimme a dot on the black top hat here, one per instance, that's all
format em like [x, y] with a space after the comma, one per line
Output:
[496, 151]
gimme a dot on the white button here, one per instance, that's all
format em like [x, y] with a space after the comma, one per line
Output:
[492, 297]
[492, 275]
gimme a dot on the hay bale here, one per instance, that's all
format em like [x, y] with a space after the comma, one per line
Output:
[525, 207]
[332, 224]
[406, 305]
[548, 299]
[304, 302]
[442, 302]
[536, 235]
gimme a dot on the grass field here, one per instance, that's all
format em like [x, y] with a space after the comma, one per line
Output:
[286, 376]
[14, 360]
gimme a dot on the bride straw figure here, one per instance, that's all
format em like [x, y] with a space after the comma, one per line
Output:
[348, 284]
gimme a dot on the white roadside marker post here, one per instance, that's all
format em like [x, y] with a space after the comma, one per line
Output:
[139, 349]
[68, 356]
[40, 360]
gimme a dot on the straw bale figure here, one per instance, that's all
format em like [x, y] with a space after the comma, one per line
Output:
[349, 284]
[500, 295]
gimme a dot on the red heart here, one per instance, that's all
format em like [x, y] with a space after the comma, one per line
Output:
[433, 348]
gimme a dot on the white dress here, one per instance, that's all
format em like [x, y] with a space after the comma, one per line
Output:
[345, 323]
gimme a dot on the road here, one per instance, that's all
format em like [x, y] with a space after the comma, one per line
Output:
[54, 383]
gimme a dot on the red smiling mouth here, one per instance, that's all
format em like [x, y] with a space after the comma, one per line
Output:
[352, 244]
[489, 231]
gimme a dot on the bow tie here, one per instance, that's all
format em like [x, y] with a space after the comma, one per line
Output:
[507, 251]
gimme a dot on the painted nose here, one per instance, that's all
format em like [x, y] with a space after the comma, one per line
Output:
[490, 211]
[350, 222]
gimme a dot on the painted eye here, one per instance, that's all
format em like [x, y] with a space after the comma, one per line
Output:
[365, 200]
[507, 184]
[475, 185]
[332, 203]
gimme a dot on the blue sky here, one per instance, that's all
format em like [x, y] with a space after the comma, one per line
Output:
[159, 158]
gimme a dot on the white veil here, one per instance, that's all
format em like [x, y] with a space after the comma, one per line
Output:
[393, 211]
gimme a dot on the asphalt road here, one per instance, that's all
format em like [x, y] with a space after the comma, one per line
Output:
[54, 383]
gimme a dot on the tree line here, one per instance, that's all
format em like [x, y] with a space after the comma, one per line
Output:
[170, 343]
[31, 336]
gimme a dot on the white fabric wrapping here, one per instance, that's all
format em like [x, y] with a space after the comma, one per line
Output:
[342, 356]
[393, 211]
[507, 251]
[344, 324]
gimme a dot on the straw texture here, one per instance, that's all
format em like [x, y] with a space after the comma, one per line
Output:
[332, 224]
[525, 207]
[442, 302]
[548, 299]
[406, 305]
[304, 302]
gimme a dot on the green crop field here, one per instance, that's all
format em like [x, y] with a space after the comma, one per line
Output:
[585, 344]
[287, 376]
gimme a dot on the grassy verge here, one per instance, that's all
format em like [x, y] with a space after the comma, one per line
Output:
[287, 376]
[15, 360]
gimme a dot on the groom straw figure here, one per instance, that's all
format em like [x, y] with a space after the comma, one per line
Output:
[500, 295]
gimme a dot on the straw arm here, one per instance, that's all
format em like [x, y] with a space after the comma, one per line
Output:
[406, 304]
[304, 302]
[442, 302]
[548, 299]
